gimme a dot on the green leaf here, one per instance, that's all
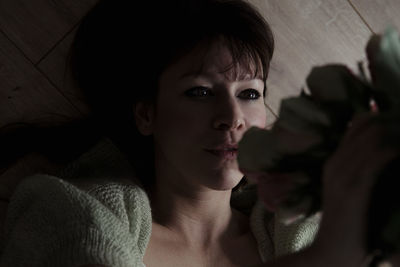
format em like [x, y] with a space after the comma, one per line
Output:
[391, 231]
[385, 70]
[335, 85]
[301, 114]
[328, 83]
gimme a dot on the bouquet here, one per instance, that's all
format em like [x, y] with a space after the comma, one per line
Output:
[311, 125]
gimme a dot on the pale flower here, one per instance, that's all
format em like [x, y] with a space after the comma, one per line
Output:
[310, 128]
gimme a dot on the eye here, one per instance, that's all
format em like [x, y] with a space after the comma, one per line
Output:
[199, 91]
[250, 94]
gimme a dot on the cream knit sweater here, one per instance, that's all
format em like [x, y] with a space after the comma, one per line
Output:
[91, 213]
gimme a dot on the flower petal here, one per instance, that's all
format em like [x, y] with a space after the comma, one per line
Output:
[258, 150]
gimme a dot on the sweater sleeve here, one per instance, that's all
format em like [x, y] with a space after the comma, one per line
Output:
[275, 238]
[51, 222]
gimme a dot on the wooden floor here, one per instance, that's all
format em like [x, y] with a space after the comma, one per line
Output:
[35, 36]
[316, 32]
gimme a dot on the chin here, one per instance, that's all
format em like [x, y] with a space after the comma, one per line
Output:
[226, 181]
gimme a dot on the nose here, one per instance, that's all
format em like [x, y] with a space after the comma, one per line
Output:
[228, 116]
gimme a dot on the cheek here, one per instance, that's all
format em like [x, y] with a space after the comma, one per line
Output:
[256, 116]
[179, 121]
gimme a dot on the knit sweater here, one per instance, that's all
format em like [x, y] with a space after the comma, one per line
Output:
[91, 213]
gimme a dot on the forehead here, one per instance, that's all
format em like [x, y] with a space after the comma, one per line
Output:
[215, 58]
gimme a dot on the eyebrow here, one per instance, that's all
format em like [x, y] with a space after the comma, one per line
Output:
[247, 77]
[189, 74]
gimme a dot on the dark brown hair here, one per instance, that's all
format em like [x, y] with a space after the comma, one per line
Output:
[122, 47]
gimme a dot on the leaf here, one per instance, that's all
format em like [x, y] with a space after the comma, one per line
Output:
[337, 84]
[391, 231]
[384, 58]
[301, 114]
[327, 83]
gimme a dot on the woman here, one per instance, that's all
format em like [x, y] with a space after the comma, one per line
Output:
[198, 84]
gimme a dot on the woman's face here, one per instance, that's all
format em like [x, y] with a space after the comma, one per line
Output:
[204, 104]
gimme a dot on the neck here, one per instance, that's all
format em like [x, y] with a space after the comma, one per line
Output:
[198, 217]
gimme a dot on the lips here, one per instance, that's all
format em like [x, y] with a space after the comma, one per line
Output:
[225, 150]
[225, 153]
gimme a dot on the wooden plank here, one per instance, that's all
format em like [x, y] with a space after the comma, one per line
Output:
[310, 33]
[379, 14]
[25, 94]
[55, 67]
[36, 26]
[271, 116]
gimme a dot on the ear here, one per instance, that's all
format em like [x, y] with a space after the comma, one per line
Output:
[144, 117]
